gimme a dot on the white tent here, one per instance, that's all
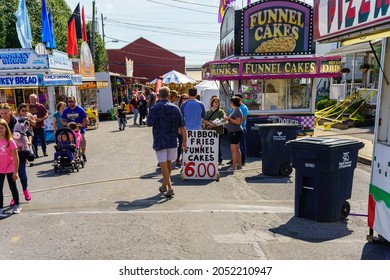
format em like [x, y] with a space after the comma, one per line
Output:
[206, 90]
[175, 77]
[206, 84]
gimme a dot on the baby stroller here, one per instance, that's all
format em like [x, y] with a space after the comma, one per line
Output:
[63, 161]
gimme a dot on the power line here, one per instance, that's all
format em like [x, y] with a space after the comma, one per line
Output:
[178, 7]
[198, 4]
[173, 32]
[158, 48]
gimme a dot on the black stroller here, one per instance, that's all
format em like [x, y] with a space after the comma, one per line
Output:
[63, 162]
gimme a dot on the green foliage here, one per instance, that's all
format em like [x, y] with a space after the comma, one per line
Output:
[100, 54]
[61, 14]
[325, 103]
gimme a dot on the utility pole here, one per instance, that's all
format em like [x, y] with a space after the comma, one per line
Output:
[104, 40]
[93, 31]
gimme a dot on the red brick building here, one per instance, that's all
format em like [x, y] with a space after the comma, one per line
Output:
[150, 60]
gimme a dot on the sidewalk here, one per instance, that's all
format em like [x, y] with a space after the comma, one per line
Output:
[365, 135]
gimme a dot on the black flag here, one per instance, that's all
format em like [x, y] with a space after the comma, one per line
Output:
[77, 20]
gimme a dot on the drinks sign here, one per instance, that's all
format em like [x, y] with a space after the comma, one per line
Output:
[277, 28]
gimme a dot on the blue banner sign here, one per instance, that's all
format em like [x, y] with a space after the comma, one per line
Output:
[77, 80]
[57, 80]
[60, 60]
[22, 59]
[21, 81]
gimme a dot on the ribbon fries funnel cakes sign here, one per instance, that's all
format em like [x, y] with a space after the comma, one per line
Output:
[277, 28]
[200, 160]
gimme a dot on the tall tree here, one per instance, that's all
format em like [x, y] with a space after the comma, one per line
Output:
[61, 14]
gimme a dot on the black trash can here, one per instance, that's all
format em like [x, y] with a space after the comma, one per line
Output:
[324, 170]
[276, 157]
[253, 137]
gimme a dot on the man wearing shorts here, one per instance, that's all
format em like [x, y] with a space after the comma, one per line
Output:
[166, 119]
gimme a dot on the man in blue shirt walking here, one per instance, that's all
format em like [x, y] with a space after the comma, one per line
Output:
[166, 119]
[193, 111]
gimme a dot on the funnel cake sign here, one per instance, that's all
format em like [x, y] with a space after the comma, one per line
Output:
[277, 28]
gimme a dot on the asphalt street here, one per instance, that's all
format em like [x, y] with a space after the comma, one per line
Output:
[112, 210]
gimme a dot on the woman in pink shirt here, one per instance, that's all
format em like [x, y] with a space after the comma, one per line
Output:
[9, 165]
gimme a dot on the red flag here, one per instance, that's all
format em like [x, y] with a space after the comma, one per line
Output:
[159, 83]
[72, 40]
[84, 26]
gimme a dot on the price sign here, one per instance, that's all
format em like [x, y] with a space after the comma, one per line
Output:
[200, 160]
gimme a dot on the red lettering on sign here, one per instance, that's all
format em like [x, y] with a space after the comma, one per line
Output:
[364, 11]
[331, 12]
[381, 5]
[351, 14]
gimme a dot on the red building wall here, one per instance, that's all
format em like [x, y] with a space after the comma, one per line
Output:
[150, 60]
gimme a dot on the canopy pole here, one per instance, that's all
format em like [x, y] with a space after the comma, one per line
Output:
[379, 63]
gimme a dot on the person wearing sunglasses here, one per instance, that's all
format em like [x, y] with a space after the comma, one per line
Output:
[77, 114]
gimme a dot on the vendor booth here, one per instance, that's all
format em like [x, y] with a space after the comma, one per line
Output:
[359, 22]
[268, 55]
[27, 71]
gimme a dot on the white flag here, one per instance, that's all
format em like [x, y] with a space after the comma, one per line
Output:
[129, 67]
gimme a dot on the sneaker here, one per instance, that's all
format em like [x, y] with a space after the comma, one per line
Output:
[12, 202]
[230, 169]
[45, 154]
[84, 157]
[17, 209]
[239, 167]
[2, 213]
[27, 195]
[31, 164]
[243, 164]
[229, 162]
[162, 189]
[169, 193]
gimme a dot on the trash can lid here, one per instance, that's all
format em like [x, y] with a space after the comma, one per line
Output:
[323, 143]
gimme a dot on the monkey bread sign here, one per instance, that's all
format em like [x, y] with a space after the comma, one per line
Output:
[337, 20]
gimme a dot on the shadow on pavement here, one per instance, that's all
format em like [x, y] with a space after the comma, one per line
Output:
[374, 251]
[312, 231]
[264, 179]
[141, 203]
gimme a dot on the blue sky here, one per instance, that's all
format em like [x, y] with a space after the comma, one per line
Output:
[188, 28]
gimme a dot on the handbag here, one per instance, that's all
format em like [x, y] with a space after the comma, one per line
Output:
[208, 119]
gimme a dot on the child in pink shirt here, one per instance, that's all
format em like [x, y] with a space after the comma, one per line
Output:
[76, 129]
[9, 166]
